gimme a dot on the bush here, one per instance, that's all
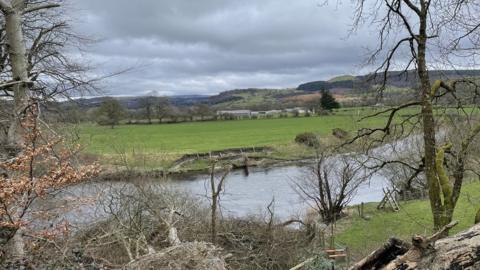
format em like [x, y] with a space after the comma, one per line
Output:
[308, 139]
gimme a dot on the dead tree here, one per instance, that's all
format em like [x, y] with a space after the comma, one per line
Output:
[142, 219]
[216, 187]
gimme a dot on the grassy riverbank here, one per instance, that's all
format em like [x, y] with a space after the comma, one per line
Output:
[362, 236]
[155, 146]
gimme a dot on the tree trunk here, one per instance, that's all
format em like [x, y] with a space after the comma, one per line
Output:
[461, 251]
[438, 211]
[15, 246]
[213, 228]
[18, 57]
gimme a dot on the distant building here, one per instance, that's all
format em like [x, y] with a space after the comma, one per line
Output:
[237, 113]
[249, 113]
[273, 112]
[297, 109]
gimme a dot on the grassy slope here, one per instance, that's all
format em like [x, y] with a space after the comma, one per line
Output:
[215, 135]
[260, 97]
[362, 236]
[342, 78]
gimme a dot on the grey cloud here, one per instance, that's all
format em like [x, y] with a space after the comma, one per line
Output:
[204, 47]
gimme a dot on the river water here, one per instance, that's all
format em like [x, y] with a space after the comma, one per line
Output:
[243, 195]
[246, 195]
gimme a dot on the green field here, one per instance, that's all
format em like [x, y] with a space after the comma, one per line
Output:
[414, 217]
[215, 135]
[159, 145]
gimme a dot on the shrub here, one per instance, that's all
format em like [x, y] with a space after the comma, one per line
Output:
[308, 139]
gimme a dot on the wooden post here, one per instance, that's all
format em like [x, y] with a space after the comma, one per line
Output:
[362, 213]
[348, 256]
[245, 161]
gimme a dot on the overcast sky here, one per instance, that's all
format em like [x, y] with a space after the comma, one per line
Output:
[178, 47]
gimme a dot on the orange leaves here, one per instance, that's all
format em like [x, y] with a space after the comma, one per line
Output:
[44, 165]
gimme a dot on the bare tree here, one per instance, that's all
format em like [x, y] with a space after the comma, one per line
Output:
[203, 110]
[147, 104]
[331, 184]
[110, 113]
[448, 31]
[142, 219]
[216, 187]
[163, 108]
[35, 41]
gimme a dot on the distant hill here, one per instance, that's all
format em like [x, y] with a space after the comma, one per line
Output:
[327, 85]
[342, 78]
[345, 87]
[410, 78]
[252, 98]
[350, 84]
[133, 102]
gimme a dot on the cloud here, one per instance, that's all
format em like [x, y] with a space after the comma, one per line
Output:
[208, 46]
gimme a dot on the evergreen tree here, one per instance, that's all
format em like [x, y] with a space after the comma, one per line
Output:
[328, 102]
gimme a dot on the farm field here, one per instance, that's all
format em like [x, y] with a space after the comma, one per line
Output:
[207, 136]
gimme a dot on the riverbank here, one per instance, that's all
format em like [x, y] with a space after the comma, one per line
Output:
[198, 166]
[361, 236]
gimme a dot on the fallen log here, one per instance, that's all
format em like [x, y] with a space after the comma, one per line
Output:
[461, 251]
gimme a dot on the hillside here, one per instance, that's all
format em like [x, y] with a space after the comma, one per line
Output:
[134, 102]
[346, 88]
[397, 79]
[252, 98]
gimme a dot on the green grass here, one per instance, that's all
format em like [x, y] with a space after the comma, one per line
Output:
[342, 78]
[213, 135]
[158, 146]
[362, 236]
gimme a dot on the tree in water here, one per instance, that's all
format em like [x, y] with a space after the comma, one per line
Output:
[331, 184]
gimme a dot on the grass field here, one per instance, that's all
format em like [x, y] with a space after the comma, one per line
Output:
[362, 236]
[216, 135]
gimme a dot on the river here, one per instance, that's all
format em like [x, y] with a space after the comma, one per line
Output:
[243, 196]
